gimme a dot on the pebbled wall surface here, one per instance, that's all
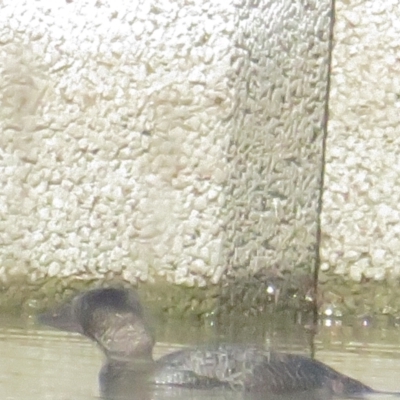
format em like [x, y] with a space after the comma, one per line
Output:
[361, 212]
[174, 139]
[360, 241]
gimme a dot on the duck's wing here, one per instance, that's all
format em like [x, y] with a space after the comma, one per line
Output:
[236, 367]
[252, 369]
[283, 373]
[206, 367]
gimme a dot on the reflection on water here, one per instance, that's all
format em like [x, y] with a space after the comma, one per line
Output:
[47, 365]
[39, 363]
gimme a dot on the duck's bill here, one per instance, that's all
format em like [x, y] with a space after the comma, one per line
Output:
[61, 318]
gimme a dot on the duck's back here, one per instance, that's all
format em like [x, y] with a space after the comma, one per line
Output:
[252, 369]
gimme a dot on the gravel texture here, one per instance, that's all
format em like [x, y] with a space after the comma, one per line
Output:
[172, 139]
[361, 211]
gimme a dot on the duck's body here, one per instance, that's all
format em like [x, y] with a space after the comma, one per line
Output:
[249, 371]
[114, 319]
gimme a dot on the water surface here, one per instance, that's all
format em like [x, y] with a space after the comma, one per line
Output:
[40, 363]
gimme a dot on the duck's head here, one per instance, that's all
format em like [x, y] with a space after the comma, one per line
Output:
[112, 317]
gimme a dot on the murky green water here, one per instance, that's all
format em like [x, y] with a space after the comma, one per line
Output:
[39, 363]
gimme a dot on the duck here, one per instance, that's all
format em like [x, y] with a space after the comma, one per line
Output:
[114, 319]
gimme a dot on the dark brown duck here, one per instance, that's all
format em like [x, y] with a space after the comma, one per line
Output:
[114, 319]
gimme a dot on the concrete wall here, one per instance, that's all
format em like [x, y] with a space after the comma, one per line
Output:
[172, 139]
[361, 202]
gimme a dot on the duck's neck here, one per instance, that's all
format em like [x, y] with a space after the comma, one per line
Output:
[131, 343]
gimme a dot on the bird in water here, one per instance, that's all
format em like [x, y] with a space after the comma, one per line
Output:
[114, 319]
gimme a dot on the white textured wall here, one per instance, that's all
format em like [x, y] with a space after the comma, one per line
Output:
[361, 202]
[173, 138]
